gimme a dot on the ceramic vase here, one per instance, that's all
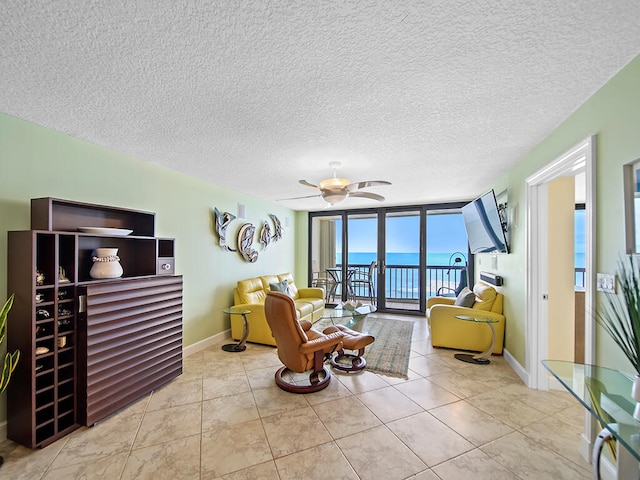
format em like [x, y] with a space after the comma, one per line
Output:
[635, 393]
[106, 264]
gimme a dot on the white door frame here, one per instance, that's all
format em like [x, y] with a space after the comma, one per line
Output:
[580, 158]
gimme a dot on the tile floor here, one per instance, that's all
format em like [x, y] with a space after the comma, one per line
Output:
[224, 418]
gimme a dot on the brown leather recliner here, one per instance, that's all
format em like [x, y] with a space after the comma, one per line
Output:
[300, 348]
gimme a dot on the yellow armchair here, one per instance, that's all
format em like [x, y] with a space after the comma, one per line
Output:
[450, 332]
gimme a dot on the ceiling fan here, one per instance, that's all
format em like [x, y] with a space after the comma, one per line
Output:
[335, 190]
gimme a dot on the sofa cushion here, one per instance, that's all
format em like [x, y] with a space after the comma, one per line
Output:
[282, 287]
[485, 296]
[466, 298]
[267, 280]
[251, 291]
[292, 286]
[305, 308]
[316, 303]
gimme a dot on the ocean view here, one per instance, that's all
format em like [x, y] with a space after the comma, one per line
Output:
[403, 282]
[397, 258]
[433, 259]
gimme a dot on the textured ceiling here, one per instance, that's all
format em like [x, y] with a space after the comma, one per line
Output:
[438, 97]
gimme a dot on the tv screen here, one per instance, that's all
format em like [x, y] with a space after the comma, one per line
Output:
[484, 229]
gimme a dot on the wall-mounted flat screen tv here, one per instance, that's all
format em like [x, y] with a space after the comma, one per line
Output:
[484, 229]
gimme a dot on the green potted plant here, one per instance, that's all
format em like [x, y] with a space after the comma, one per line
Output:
[10, 359]
[620, 318]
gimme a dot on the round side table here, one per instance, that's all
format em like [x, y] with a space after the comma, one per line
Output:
[240, 346]
[479, 358]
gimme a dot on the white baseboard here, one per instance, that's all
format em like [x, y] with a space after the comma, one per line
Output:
[206, 343]
[519, 369]
[190, 350]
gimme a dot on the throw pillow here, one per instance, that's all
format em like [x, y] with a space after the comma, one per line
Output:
[282, 287]
[466, 298]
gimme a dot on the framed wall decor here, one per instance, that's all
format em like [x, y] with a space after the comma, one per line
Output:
[632, 206]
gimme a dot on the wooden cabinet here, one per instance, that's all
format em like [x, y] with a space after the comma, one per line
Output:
[88, 347]
[131, 341]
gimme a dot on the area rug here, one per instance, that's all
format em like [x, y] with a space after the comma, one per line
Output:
[389, 354]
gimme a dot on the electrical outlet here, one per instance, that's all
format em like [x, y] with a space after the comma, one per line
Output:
[606, 283]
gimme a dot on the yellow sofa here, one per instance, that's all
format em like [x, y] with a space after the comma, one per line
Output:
[251, 294]
[450, 332]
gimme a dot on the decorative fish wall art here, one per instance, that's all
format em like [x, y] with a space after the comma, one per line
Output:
[246, 234]
[265, 234]
[222, 222]
[245, 241]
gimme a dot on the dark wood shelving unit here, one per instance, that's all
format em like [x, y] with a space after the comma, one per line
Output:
[88, 347]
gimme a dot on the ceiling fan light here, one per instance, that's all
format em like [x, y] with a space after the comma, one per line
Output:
[335, 198]
[332, 183]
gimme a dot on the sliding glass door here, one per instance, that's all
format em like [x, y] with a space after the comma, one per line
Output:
[447, 253]
[402, 259]
[362, 251]
[417, 252]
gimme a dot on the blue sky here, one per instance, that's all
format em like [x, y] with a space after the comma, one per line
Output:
[445, 233]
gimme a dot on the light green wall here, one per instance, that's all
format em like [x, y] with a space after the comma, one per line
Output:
[613, 115]
[39, 162]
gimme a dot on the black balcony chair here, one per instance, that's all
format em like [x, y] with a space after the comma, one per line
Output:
[324, 281]
[360, 280]
[445, 291]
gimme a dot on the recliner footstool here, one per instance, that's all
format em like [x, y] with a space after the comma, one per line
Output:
[351, 340]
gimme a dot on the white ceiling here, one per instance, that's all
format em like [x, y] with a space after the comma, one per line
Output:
[438, 97]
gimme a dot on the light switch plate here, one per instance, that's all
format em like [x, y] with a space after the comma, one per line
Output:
[606, 283]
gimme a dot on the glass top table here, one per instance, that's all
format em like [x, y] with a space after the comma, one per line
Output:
[483, 357]
[241, 345]
[606, 394]
[349, 318]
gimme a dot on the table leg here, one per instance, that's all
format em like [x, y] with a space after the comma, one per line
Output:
[627, 467]
[240, 346]
[480, 358]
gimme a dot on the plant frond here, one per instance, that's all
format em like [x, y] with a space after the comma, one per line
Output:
[10, 363]
[3, 316]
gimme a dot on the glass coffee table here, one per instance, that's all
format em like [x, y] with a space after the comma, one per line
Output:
[352, 319]
[479, 358]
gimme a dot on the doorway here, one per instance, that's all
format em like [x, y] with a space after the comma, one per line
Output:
[578, 160]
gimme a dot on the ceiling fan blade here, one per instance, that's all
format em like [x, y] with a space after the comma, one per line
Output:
[298, 198]
[367, 183]
[372, 196]
[308, 184]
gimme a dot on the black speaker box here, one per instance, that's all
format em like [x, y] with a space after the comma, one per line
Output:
[491, 278]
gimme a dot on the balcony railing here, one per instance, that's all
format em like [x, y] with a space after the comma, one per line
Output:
[402, 281]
